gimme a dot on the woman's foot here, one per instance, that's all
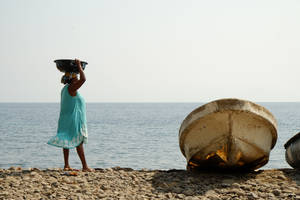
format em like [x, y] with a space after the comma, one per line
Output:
[86, 169]
[70, 169]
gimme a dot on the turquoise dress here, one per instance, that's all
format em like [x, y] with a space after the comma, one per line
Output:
[72, 128]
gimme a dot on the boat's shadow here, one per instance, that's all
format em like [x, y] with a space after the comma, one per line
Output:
[210, 182]
[292, 174]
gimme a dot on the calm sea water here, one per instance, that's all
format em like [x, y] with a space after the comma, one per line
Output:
[135, 135]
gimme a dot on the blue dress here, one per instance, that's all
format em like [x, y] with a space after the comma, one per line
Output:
[72, 128]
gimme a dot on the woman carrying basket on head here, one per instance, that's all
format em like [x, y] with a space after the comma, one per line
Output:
[72, 128]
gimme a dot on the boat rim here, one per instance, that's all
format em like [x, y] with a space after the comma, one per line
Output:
[291, 140]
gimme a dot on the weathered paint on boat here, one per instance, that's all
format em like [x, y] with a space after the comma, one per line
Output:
[228, 134]
[292, 152]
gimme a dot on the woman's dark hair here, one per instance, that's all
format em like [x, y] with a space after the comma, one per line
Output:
[66, 79]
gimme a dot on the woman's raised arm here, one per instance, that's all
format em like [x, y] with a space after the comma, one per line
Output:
[74, 86]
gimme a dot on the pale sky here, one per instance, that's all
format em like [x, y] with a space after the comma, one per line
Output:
[152, 50]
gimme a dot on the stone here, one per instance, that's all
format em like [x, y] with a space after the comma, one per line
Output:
[4, 193]
[66, 180]
[169, 195]
[104, 187]
[180, 196]
[252, 195]
[36, 191]
[235, 185]
[51, 180]
[228, 181]
[73, 186]
[262, 189]
[246, 187]
[281, 177]
[101, 195]
[287, 191]
[276, 192]
[54, 184]
[79, 180]
[33, 173]
[12, 168]
[237, 192]
[177, 190]
[46, 187]
[188, 192]
[224, 185]
[109, 170]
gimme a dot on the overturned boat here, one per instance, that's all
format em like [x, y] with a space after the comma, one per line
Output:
[292, 152]
[228, 134]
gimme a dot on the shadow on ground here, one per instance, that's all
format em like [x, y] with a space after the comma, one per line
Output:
[292, 174]
[197, 182]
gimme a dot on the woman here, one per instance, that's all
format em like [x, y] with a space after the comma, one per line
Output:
[72, 129]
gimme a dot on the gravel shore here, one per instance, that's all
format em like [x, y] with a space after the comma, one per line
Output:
[126, 183]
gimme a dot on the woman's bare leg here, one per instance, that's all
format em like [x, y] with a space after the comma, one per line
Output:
[80, 152]
[66, 158]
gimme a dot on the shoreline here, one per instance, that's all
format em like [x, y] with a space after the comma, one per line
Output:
[127, 183]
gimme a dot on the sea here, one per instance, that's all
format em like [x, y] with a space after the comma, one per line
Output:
[133, 135]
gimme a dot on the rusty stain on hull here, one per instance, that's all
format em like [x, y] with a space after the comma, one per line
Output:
[228, 134]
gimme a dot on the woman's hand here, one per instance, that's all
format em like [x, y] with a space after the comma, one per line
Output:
[78, 63]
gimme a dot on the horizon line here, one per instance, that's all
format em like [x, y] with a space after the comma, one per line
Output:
[143, 102]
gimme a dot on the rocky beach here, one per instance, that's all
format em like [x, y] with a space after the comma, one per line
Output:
[126, 183]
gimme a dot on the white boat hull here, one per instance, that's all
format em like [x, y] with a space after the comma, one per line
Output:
[228, 133]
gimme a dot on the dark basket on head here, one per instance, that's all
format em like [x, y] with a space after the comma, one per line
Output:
[68, 65]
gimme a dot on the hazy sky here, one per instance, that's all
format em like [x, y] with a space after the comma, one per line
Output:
[152, 50]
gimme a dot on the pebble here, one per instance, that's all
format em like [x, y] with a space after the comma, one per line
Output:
[235, 185]
[101, 195]
[252, 195]
[225, 185]
[281, 177]
[180, 196]
[188, 192]
[237, 191]
[276, 192]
